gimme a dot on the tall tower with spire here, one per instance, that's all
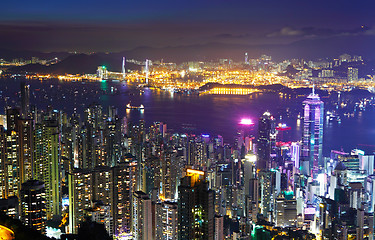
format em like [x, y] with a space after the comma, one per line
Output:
[312, 139]
[123, 67]
[147, 69]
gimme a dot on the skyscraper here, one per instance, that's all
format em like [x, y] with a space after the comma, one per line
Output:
[121, 206]
[47, 163]
[25, 138]
[251, 186]
[266, 129]
[12, 166]
[147, 69]
[352, 74]
[3, 166]
[141, 216]
[312, 139]
[123, 67]
[25, 100]
[80, 196]
[166, 221]
[195, 207]
[267, 192]
[33, 209]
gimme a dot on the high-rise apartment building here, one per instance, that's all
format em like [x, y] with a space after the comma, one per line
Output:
[26, 148]
[33, 208]
[141, 216]
[47, 163]
[195, 207]
[166, 220]
[80, 196]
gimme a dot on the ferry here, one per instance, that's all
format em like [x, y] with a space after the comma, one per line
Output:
[128, 106]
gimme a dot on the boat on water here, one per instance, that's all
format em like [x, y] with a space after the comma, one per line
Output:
[332, 116]
[129, 106]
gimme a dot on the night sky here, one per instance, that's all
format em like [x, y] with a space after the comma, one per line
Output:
[113, 25]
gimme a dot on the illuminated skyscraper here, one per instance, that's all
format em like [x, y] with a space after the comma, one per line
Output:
[166, 180]
[80, 196]
[266, 130]
[166, 221]
[47, 163]
[16, 153]
[295, 153]
[249, 174]
[141, 216]
[33, 209]
[267, 192]
[195, 207]
[312, 143]
[12, 166]
[123, 67]
[26, 142]
[251, 186]
[25, 100]
[103, 184]
[147, 69]
[3, 179]
[121, 206]
[352, 74]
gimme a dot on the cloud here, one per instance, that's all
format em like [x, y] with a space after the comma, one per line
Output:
[286, 31]
[370, 32]
[312, 32]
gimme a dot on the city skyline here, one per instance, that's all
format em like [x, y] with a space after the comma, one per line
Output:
[169, 120]
[113, 170]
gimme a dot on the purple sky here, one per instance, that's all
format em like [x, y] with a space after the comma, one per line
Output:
[115, 25]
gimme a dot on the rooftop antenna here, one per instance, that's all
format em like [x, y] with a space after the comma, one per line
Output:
[313, 89]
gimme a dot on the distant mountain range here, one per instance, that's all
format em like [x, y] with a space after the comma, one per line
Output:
[306, 49]
[8, 54]
[77, 64]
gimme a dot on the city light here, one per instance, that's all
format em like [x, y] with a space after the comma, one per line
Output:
[6, 233]
[153, 130]
[193, 171]
[246, 121]
[251, 158]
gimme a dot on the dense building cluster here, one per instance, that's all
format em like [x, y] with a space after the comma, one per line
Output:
[343, 73]
[144, 182]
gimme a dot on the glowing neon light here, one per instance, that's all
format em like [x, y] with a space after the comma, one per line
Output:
[246, 121]
[310, 211]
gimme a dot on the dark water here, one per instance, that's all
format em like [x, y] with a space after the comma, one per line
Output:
[209, 114]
